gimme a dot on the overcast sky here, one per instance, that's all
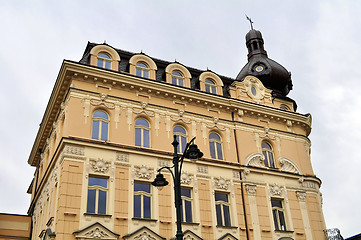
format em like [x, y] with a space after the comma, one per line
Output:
[318, 41]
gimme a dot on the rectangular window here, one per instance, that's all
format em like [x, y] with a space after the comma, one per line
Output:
[278, 215]
[97, 195]
[142, 200]
[186, 194]
[222, 209]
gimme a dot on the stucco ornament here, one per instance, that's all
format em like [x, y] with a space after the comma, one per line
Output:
[251, 189]
[144, 236]
[288, 166]
[180, 117]
[255, 159]
[103, 97]
[99, 165]
[143, 172]
[276, 190]
[96, 233]
[221, 183]
[143, 107]
[301, 196]
[267, 134]
[215, 124]
[186, 178]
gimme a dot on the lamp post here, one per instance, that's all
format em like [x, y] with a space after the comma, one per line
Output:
[191, 151]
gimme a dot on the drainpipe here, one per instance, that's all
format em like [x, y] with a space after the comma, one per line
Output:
[240, 178]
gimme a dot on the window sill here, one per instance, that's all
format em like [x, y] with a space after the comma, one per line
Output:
[284, 231]
[144, 219]
[190, 223]
[228, 227]
[97, 215]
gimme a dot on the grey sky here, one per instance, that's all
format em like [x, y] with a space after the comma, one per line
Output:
[318, 41]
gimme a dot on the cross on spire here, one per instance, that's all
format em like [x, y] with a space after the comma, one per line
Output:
[250, 21]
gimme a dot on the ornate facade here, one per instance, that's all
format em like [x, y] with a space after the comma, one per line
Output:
[109, 125]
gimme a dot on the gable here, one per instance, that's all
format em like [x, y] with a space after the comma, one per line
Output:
[95, 231]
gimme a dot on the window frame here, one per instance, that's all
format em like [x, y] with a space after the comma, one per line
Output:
[279, 211]
[100, 125]
[222, 210]
[216, 143]
[210, 87]
[143, 195]
[98, 188]
[178, 78]
[218, 83]
[104, 60]
[142, 70]
[267, 152]
[142, 130]
[182, 138]
[185, 206]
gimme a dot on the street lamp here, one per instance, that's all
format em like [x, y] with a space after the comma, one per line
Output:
[191, 151]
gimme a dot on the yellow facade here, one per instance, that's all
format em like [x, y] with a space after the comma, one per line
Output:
[67, 157]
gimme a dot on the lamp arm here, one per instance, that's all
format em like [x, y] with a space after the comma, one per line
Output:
[185, 150]
[169, 169]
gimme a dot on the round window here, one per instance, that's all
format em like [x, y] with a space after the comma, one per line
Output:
[254, 91]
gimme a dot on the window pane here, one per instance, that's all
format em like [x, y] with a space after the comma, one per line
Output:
[212, 149]
[146, 138]
[186, 192]
[141, 122]
[180, 82]
[138, 137]
[91, 201]
[174, 81]
[146, 206]
[137, 206]
[208, 89]
[210, 82]
[282, 220]
[276, 203]
[221, 197]
[176, 73]
[100, 114]
[214, 136]
[184, 143]
[179, 129]
[107, 65]
[94, 181]
[188, 210]
[95, 130]
[100, 63]
[102, 202]
[104, 55]
[104, 136]
[138, 72]
[266, 145]
[219, 215]
[270, 159]
[141, 187]
[219, 151]
[214, 90]
[143, 65]
[227, 217]
[146, 74]
[274, 211]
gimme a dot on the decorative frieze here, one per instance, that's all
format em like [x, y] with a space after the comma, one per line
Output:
[122, 157]
[144, 236]
[186, 178]
[96, 233]
[102, 101]
[202, 169]
[73, 150]
[276, 190]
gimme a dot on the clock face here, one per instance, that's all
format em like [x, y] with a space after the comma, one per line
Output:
[259, 68]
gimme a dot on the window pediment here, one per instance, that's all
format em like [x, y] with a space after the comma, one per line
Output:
[95, 231]
[143, 233]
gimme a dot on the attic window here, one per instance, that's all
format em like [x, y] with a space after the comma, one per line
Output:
[104, 61]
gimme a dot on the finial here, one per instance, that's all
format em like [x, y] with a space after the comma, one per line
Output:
[250, 21]
[105, 42]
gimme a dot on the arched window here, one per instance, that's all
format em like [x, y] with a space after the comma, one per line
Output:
[100, 125]
[142, 70]
[284, 107]
[215, 146]
[142, 129]
[268, 155]
[181, 135]
[177, 78]
[210, 86]
[104, 60]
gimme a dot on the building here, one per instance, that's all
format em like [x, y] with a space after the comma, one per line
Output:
[109, 125]
[14, 226]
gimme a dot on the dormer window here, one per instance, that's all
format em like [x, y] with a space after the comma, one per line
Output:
[177, 78]
[210, 86]
[104, 61]
[142, 70]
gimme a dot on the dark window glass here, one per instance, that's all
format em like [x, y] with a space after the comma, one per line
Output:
[268, 155]
[97, 195]
[215, 146]
[278, 215]
[142, 137]
[137, 206]
[142, 200]
[146, 207]
[181, 136]
[91, 201]
[102, 202]
[222, 209]
[100, 125]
